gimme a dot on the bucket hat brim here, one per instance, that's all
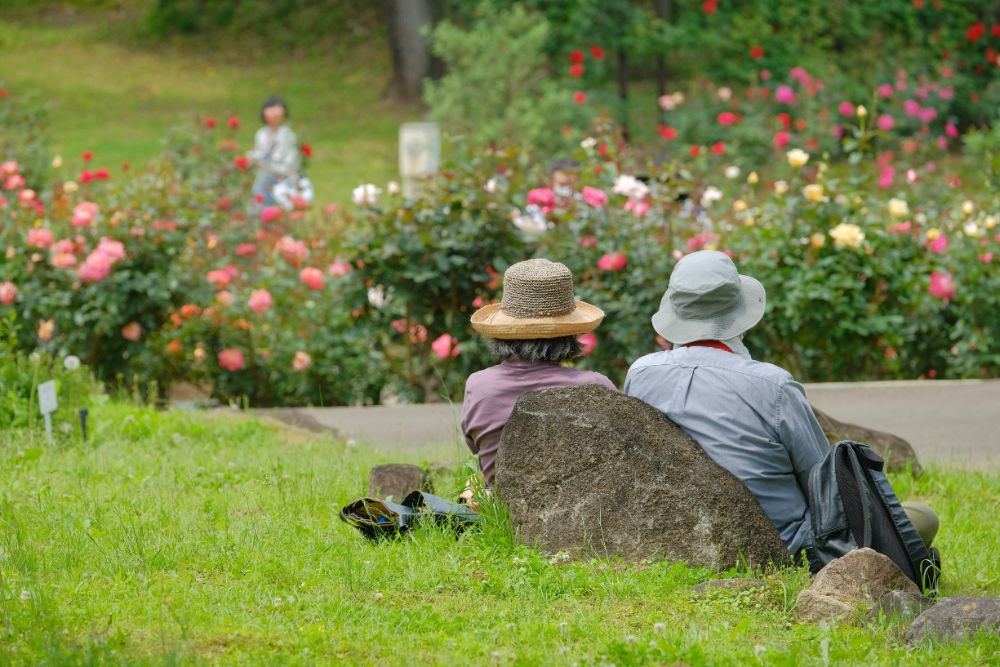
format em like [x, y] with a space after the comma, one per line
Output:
[492, 322]
[681, 331]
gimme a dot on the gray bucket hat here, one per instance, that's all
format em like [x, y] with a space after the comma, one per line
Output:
[707, 299]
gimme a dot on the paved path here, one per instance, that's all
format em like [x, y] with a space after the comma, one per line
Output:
[947, 422]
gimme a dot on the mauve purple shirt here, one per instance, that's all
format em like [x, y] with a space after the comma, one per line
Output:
[490, 396]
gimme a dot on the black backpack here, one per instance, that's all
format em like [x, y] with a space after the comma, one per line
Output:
[852, 505]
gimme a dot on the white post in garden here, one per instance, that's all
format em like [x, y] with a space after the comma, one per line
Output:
[419, 155]
[47, 404]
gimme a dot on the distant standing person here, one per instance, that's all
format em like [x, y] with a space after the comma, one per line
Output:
[275, 151]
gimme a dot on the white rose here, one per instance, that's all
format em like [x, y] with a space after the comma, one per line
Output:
[797, 158]
[898, 208]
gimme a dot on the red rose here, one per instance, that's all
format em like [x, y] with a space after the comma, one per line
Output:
[233, 122]
[597, 52]
[306, 150]
[694, 151]
[579, 97]
[576, 57]
[709, 6]
[727, 118]
[576, 71]
[756, 52]
[975, 32]
[87, 156]
[718, 148]
[667, 132]
[995, 30]
[210, 122]
[242, 162]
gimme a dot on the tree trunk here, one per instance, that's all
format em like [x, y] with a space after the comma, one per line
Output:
[412, 61]
[623, 94]
[663, 12]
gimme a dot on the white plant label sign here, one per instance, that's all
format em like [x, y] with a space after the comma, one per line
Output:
[47, 403]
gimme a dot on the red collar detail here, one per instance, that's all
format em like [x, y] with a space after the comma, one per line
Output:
[709, 343]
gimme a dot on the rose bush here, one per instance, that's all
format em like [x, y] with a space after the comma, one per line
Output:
[878, 246]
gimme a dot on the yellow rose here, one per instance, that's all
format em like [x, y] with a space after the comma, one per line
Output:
[991, 221]
[862, 111]
[968, 207]
[780, 187]
[971, 229]
[749, 221]
[817, 240]
[813, 192]
[797, 157]
[898, 208]
[57, 162]
[933, 234]
[847, 235]
[70, 186]
[739, 205]
[752, 178]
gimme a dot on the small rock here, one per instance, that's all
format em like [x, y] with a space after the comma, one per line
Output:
[736, 584]
[896, 451]
[955, 618]
[396, 480]
[860, 577]
[900, 605]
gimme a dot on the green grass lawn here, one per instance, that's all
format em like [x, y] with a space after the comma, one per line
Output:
[179, 538]
[117, 97]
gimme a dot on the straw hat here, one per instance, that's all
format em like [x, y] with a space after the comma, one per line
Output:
[707, 299]
[538, 302]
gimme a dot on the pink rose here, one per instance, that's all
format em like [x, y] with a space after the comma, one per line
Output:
[65, 245]
[885, 90]
[543, 198]
[132, 331]
[939, 244]
[784, 95]
[9, 167]
[224, 298]
[478, 302]
[445, 346]
[594, 197]
[84, 214]
[927, 114]
[942, 286]
[270, 214]
[613, 261]
[246, 250]
[781, 139]
[951, 130]
[113, 250]
[339, 268]
[638, 207]
[911, 108]
[588, 343]
[45, 330]
[231, 359]
[986, 257]
[301, 361]
[886, 177]
[260, 300]
[311, 277]
[219, 278]
[293, 251]
[846, 109]
[885, 122]
[40, 237]
[8, 292]
[900, 227]
[95, 268]
[63, 260]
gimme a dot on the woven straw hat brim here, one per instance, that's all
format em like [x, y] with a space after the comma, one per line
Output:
[492, 322]
[681, 331]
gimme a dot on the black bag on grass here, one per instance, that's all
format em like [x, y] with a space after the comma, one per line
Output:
[377, 519]
[852, 505]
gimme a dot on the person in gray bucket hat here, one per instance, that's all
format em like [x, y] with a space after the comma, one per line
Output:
[750, 417]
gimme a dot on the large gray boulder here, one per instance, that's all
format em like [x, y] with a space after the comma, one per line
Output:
[589, 471]
[898, 453]
[955, 618]
[844, 586]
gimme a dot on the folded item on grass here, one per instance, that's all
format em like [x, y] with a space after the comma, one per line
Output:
[377, 519]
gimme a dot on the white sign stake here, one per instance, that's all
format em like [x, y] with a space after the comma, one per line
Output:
[47, 404]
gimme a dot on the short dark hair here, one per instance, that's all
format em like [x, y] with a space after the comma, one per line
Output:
[273, 101]
[549, 350]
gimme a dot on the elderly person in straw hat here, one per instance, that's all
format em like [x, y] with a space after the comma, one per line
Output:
[750, 417]
[533, 330]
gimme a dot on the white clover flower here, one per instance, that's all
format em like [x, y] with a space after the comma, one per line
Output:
[25, 595]
[71, 363]
[366, 195]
